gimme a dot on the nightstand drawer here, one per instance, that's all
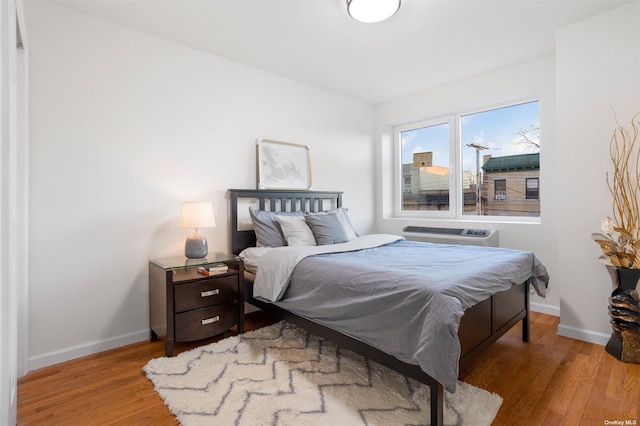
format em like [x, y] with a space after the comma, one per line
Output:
[206, 292]
[205, 322]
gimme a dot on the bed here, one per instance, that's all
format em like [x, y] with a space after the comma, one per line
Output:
[485, 317]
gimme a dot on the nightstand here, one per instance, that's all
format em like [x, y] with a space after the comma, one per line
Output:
[185, 305]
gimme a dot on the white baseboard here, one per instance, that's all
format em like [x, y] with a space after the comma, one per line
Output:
[116, 342]
[584, 335]
[571, 332]
[91, 348]
[545, 309]
[87, 349]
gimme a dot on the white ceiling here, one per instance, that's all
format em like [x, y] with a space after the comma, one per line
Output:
[427, 43]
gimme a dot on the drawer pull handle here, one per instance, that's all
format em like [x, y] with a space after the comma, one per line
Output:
[210, 320]
[209, 293]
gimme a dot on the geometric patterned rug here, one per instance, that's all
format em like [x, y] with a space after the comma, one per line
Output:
[283, 375]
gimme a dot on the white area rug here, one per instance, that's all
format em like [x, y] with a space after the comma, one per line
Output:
[282, 375]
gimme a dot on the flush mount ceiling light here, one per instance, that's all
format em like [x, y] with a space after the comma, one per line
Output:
[370, 11]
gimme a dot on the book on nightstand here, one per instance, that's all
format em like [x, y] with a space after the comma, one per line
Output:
[213, 270]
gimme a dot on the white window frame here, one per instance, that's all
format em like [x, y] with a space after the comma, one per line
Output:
[450, 121]
[456, 195]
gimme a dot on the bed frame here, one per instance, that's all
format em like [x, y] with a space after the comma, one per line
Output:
[480, 326]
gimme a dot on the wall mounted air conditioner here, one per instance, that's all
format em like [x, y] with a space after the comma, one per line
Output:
[473, 237]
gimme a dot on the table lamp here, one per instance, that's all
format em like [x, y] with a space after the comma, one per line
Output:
[196, 214]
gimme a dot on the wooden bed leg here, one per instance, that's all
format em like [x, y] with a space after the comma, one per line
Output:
[437, 404]
[525, 320]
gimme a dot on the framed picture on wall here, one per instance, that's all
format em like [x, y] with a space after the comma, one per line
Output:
[282, 165]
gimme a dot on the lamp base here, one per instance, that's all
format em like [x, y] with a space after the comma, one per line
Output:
[196, 246]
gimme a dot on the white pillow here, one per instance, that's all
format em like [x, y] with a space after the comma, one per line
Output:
[296, 231]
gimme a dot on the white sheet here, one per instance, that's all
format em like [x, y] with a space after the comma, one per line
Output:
[251, 257]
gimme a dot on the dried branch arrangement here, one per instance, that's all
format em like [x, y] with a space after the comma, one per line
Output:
[620, 237]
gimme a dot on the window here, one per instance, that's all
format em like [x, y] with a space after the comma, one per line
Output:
[500, 189]
[425, 151]
[532, 188]
[485, 163]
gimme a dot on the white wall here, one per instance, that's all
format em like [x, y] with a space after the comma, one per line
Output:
[598, 72]
[124, 127]
[13, 208]
[531, 79]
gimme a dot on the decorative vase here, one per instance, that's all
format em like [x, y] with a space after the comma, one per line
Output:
[624, 310]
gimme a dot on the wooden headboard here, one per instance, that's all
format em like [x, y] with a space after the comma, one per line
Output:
[276, 200]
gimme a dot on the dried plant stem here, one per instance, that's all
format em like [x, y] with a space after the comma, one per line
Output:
[625, 182]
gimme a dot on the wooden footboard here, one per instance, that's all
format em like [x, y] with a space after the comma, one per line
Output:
[487, 321]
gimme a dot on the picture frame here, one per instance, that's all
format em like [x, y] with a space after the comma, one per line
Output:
[282, 165]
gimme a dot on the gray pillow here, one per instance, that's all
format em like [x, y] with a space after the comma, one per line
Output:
[267, 228]
[343, 217]
[327, 229]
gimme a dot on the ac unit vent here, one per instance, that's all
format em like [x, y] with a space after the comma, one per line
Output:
[476, 237]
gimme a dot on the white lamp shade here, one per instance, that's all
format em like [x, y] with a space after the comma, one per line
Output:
[370, 11]
[196, 214]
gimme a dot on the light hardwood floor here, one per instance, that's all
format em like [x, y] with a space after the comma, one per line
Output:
[551, 380]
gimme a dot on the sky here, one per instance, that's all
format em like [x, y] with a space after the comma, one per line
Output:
[496, 129]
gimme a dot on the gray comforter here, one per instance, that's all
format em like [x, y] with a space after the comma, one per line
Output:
[406, 298]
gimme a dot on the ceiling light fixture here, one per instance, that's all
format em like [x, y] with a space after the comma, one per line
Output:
[370, 11]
